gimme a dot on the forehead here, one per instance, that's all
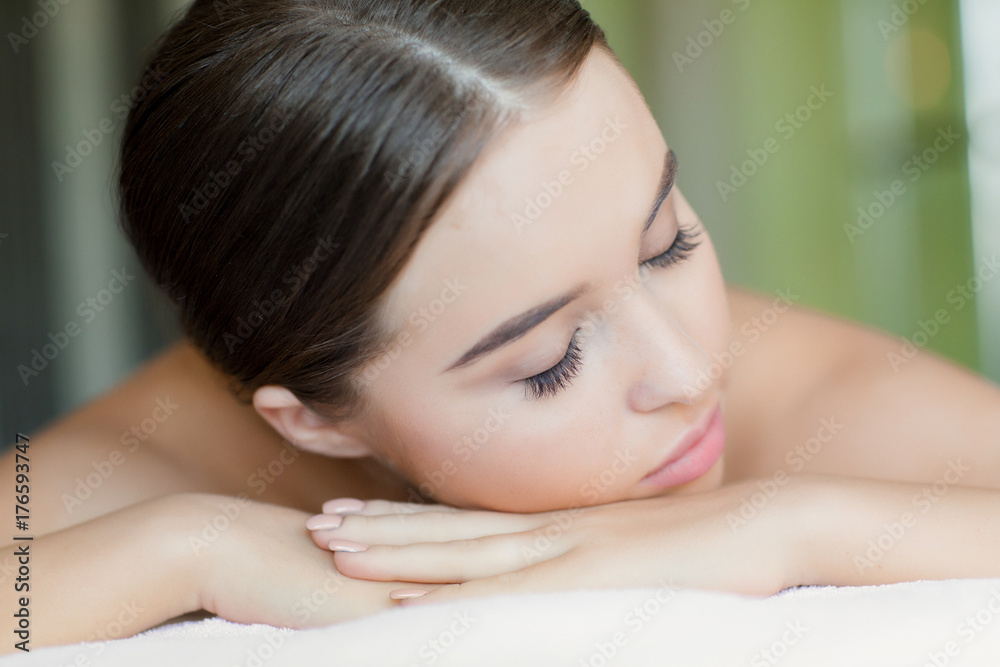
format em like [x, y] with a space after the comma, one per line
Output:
[504, 242]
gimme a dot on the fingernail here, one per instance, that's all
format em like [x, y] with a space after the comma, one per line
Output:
[347, 545]
[406, 593]
[343, 506]
[321, 521]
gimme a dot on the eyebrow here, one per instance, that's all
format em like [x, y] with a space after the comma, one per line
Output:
[519, 326]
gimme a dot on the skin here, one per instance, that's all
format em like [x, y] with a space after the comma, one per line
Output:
[659, 330]
[895, 433]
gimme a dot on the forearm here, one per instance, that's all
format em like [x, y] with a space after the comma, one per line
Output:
[866, 532]
[106, 578]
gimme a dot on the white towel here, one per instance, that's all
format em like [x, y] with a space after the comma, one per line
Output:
[932, 623]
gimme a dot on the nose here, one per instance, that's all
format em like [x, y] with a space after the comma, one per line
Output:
[664, 363]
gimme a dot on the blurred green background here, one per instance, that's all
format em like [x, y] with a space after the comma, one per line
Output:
[730, 83]
[722, 76]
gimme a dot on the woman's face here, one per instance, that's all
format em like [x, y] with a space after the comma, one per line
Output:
[547, 353]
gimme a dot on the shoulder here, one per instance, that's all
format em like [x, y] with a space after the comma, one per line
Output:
[767, 322]
[79, 469]
[815, 393]
[783, 350]
[112, 451]
[174, 426]
[786, 360]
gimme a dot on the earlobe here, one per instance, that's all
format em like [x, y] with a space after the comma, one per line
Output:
[304, 428]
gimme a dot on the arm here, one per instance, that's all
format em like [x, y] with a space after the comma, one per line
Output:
[755, 537]
[867, 532]
[126, 571]
[121, 568]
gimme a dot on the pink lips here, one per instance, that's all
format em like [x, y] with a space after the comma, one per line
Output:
[694, 456]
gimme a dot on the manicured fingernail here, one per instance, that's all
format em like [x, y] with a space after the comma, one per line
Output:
[343, 506]
[322, 521]
[347, 545]
[406, 593]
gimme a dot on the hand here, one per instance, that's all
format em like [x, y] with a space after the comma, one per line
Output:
[255, 563]
[690, 541]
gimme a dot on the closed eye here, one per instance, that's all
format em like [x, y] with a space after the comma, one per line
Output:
[685, 243]
[560, 376]
[550, 382]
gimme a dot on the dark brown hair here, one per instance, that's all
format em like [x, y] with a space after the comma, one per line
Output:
[278, 177]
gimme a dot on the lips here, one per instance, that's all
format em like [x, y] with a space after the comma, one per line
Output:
[694, 456]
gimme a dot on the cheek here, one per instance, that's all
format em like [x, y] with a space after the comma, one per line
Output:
[517, 458]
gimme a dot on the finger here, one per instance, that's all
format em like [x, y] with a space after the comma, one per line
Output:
[321, 538]
[448, 562]
[546, 576]
[423, 527]
[377, 506]
[555, 574]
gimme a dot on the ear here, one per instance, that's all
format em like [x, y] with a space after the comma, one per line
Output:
[304, 428]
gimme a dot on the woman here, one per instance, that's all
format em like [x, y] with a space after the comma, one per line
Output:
[438, 248]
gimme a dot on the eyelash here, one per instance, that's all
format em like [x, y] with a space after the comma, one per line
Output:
[551, 382]
[557, 378]
[685, 243]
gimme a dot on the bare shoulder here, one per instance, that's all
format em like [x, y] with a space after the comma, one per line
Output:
[104, 455]
[174, 426]
[816, 393]
[781, 354]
